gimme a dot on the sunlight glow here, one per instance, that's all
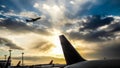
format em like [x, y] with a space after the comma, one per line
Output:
[55, 39]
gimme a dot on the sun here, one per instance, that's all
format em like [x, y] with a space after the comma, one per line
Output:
[57, 50]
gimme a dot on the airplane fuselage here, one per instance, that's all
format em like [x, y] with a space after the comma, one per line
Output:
[96, 64]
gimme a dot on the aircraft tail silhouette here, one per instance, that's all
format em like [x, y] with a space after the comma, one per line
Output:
[70, 54]
[18, 64]
[51, 62]
[8, 62]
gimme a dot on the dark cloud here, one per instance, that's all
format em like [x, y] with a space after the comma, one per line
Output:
[92, 29]
[68, 24]
[97, 21]
[10, 44]
[19, 26]
[93, 36]
[14, 25]
[102, 31]
[115, 27]
[43, 46]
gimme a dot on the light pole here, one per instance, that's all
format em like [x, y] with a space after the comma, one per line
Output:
[22, 58]
[10, 56]
[5, 57]
[10, 53]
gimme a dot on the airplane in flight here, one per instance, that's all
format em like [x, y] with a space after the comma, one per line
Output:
[75, 60]
[33, 19]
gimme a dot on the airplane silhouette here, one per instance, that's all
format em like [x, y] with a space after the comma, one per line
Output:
[33, 19]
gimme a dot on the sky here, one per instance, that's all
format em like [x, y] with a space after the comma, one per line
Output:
[92, 26]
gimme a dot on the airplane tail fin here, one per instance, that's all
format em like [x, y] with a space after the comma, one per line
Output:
[51, 62]
[18, 64]
[8, 62]
[71, 55]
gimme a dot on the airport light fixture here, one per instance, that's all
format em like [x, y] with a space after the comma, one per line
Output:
[22, 58]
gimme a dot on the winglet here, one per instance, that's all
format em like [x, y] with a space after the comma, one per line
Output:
[70, 54]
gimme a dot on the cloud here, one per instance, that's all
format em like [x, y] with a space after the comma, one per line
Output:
[19, 26]
[38, 59]
[59, 12]
[65, 16]
[3, 6]
[96, 22]
[29, 14]
[51, 10]
[43, 46]
[10, 44]
[94, 28]
[103, 31]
